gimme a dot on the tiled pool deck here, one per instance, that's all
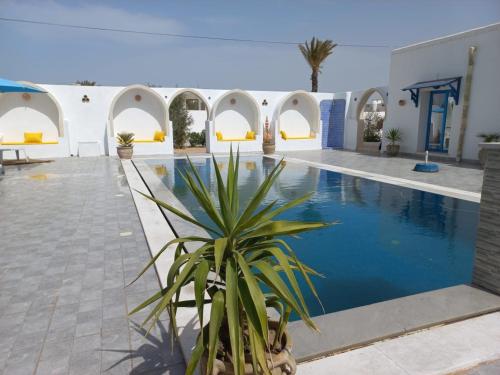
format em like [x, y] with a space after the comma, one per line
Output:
[70, 240]
[451, 175]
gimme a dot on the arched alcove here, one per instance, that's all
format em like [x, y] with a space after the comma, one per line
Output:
[193, 94]
[198, 108]
[234, 114]
[140, 110]
[375, 99]
[30, 112]
[298, 115]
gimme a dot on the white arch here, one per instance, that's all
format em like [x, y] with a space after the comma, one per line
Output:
[234, 119]
[361, 104]
[192, 91]
[40, 113]
[141, 117]
[298, 114]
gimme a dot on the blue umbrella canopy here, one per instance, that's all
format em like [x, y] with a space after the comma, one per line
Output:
[13, 86]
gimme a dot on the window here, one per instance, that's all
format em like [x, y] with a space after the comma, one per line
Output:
[192, 104]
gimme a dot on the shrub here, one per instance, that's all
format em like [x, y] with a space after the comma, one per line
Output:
[371, 133]
[490, 137]
[197, 139]
[181, 121]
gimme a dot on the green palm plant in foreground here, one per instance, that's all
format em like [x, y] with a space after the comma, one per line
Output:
[243, 266]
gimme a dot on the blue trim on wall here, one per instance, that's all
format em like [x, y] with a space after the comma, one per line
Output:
[333, 117]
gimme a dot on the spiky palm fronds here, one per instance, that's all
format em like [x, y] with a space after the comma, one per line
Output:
[243, 266]
[125, 139]
[315, 52]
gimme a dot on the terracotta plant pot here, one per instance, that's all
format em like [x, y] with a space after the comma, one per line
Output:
[282, 363]
[268, 148]
[392, 150]
[125, 152]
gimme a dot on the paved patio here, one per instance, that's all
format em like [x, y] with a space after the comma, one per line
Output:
[70, 241]
[466, 177]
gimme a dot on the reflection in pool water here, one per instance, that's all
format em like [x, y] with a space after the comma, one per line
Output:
[390, 241]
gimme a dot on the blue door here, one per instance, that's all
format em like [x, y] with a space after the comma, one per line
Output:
[438, 134]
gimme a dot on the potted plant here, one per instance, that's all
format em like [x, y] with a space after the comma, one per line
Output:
[487, 138]
[393, 136]
[242, 267]
[268, 145]
[125, 147]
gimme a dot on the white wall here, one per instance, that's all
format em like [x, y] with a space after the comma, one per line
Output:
[199, 118]
[300, 119]
[88, 121]
[143, 118]
[235, 120]
[444, 58]
[38, 114]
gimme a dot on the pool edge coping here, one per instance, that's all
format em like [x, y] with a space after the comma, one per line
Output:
[403, 182]
[398, 181]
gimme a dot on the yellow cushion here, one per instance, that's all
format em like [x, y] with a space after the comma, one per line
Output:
[219, 136]
[159, 136]
[283, 134]
[33, 137]
[250, 135]
[294, 138]
[29, 143]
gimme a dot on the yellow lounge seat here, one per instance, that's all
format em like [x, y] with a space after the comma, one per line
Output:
[146, 141]
[286, 137]
[235, 140]
[221, 138]
[29, 143]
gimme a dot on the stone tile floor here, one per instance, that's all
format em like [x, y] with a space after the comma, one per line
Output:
[70, 241]
[464, 177]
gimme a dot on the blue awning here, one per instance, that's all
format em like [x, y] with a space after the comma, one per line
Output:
[452, 84]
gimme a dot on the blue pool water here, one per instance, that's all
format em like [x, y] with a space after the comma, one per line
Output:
[390, 241]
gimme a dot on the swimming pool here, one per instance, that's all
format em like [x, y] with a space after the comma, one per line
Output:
[391, 241]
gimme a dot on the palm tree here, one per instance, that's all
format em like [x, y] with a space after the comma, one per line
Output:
[315, 53]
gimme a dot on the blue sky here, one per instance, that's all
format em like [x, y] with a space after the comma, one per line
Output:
[55, 55]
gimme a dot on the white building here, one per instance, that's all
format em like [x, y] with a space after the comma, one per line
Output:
[430, 83]
[84, 120]
[435, 78]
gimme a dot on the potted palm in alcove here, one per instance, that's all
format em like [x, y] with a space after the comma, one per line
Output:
[243, 267]
[393, 136]
[125, 148]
